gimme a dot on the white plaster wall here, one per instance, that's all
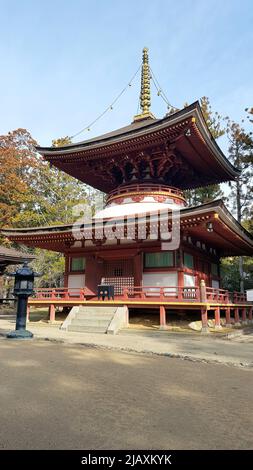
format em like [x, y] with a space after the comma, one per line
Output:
[249, 295]
[76, 281]
[215, 284]
[189, 280]
[160, 279]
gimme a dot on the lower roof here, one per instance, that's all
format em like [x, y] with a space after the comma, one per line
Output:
[227, 235]
[10, 256]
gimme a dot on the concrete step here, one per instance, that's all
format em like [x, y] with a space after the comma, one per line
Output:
[86, 329]
[95, 310]
[90, 322]
[102, 316]
[92, 319]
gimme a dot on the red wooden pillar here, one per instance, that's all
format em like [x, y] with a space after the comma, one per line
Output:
[250, 314]
[244, 317]
[180, 285]
[51, 311]
[28, 313]
[204, 319]
[237, 318]
[66, 271]
[217, 324]
[163, 324]
[228, 317]
[137, 268]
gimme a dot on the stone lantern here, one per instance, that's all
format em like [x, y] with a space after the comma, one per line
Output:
[23, 288]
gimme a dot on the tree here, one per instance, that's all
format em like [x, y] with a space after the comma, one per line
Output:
[57, 193]
[51, 265]
[34, 194]
[17, 161]
[241, 189]
[214, 123]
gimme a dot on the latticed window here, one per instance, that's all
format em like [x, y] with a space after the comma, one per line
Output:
[159, 260]
[118, 272]
[188, 261]
[77, 264]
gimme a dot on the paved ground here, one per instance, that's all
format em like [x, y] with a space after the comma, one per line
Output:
[59, 396]
[193, 346]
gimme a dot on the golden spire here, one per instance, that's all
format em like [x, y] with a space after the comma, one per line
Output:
[145, 100]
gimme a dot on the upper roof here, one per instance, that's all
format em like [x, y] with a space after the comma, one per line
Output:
[182, 138]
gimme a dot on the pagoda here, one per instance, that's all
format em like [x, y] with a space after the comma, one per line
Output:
[144, 168]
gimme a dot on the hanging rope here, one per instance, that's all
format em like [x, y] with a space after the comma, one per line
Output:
[109, 108]
[160, 91]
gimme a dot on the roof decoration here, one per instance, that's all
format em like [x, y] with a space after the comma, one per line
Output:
[145, 99]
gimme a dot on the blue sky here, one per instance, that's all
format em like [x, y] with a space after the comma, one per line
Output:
[63, 62]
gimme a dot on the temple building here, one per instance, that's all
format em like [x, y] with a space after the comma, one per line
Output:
[144, 169]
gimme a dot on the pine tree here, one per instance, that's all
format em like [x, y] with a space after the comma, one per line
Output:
[214, 122]
[240, 150]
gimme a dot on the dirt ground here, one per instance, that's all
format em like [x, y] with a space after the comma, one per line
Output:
[138, 319]
[58, 396]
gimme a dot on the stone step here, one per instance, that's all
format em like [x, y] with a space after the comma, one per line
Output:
[95, 314]
[86, 329]
[90, 322]
[93, 310]
[93, 317]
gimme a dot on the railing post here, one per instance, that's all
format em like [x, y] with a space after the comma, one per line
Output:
[162, 293]
[203, 296]
[197, 293]
[39, 294]
[142, 294]
[53, 296]
[180, 292]
[67, 294]
[81, 294]
[125, 296]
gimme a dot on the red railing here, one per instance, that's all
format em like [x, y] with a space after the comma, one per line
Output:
[167, 293]
[217, 295]
[239, 297]
[60, 293]
[131, 293]
[144, 188]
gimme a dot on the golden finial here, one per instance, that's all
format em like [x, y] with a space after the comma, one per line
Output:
[145, 100]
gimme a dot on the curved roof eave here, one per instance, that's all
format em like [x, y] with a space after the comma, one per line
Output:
[213, 206]
[131, 131]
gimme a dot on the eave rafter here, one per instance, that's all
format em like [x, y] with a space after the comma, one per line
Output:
[137, 143]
